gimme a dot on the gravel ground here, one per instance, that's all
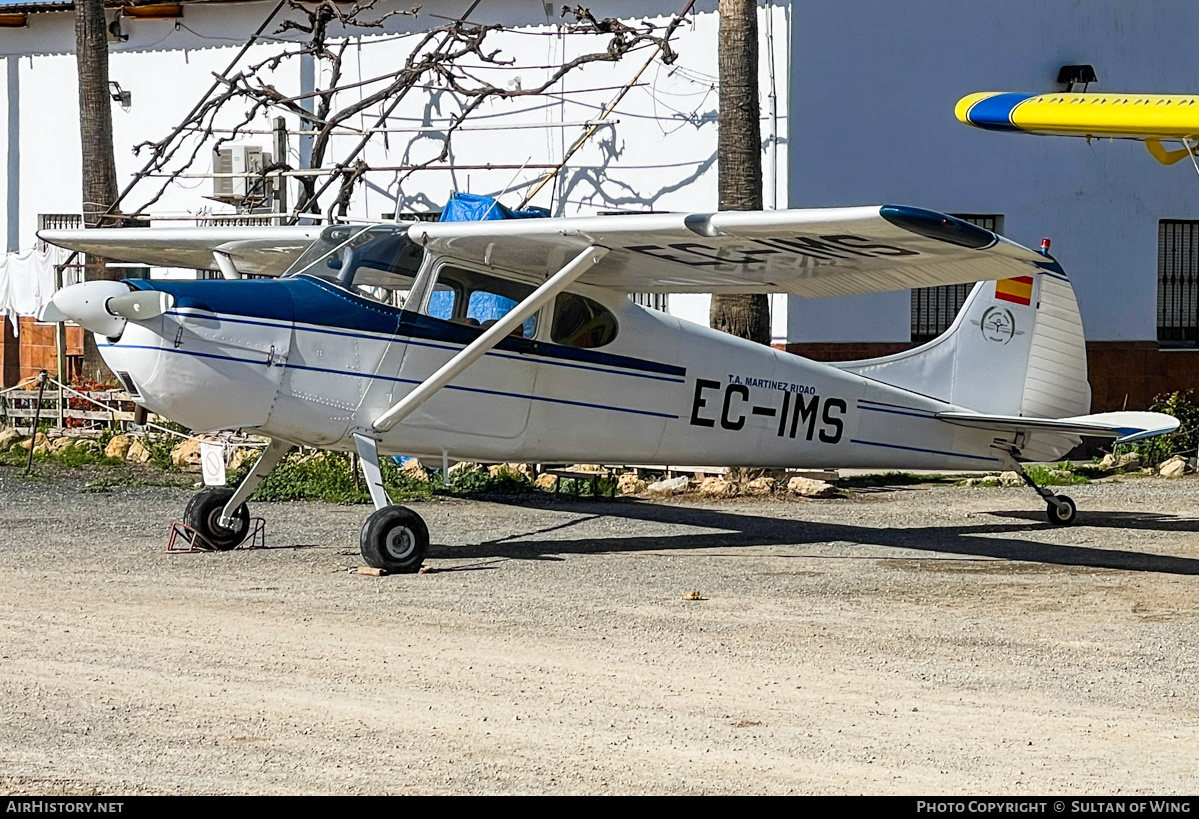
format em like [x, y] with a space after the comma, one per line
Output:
[921, 640]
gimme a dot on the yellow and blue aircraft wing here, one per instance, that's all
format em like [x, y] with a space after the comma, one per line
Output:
[1149, 118]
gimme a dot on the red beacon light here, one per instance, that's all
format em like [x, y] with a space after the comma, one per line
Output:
[1045, 243]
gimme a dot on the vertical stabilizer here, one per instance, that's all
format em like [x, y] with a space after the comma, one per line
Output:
[1015, 348]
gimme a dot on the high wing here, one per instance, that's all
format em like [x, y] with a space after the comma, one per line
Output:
[1115, 116]
[266, 250]
[1148, 118]
[813, 253]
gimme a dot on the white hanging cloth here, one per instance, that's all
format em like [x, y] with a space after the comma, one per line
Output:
[26, 283]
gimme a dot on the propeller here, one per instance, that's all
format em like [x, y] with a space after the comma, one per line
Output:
[104, 306]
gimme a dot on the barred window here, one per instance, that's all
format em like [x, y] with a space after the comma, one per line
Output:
[654, 301]
[934, 308]
[1178, 283]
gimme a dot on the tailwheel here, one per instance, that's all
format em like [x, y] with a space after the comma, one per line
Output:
[1061, 510]
[203, 514]
[395, 539]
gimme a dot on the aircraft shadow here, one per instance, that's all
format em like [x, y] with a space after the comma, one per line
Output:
[741, 529]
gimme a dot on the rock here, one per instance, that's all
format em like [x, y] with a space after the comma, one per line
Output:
[32, 442]
[546, 481]
[1010, 479]
[758, 486]
[587, 468]
[8, 437]
[1175, 467]
[464, 468]
[630, 484]
[670, 486]
[87, 445]
[137, 453]
[414, 470]
[58, 446]
[1128, 462]
[118, 447]
[242, 457]
[718, 488]
[186, 454]
[506, 471]
[526, 470]
[1061, 475]
[808, 488]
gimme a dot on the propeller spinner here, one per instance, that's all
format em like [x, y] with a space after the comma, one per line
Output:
[104, 306]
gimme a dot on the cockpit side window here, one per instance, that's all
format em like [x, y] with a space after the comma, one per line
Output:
[476, 299]
[582, 322]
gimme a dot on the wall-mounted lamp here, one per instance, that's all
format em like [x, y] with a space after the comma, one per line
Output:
[1070, 75]
[114, 30]
[118, 94]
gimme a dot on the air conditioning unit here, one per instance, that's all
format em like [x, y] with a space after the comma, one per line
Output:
[235, 158]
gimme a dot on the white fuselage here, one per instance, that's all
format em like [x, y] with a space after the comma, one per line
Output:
[307, 362]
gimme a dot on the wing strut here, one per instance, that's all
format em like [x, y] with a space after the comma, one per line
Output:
[577, 266]
[225, 264]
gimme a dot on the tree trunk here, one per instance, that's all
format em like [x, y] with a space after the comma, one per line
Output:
[739, 155]
[95, 131]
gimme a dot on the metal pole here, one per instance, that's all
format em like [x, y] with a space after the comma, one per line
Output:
[280, 156]
[60, 350]
[37, 418]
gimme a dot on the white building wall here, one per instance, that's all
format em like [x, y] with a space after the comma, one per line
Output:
[656, 153]
[873, 88]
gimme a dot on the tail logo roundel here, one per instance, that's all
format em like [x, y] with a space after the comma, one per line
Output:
[998, 325]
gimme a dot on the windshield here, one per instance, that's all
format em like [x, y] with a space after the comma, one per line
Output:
[377, 261]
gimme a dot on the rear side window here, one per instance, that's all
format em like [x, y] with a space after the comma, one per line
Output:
[478, 300]
[582, 322]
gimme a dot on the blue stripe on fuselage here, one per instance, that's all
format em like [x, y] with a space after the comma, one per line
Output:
[307, 300]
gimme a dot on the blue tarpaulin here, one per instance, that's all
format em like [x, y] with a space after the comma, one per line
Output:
[471, 207]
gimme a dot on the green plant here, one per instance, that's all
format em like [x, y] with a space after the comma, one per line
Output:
[1043, 474]
[324, 476]
[1181, 404]
[159, 447]
[482, 481]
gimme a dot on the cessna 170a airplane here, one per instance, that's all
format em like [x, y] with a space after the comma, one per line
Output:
[515, 340]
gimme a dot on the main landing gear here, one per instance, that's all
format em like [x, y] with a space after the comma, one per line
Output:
[394, 538]
[1060, 509]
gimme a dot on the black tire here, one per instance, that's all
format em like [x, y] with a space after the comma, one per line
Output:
[395, 539]
[204, 511]
[1063, 512]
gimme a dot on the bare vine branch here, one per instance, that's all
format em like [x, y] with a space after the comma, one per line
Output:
[454, 56]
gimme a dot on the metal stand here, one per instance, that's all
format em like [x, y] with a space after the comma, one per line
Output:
[193, 542]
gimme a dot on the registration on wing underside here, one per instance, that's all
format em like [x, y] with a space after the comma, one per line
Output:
[784, 252]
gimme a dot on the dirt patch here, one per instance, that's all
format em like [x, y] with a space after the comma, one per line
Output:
[934, 640]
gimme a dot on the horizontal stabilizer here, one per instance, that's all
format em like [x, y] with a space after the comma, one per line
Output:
[1123, 426]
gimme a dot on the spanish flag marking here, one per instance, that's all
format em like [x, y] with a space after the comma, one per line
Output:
[1018, 290]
